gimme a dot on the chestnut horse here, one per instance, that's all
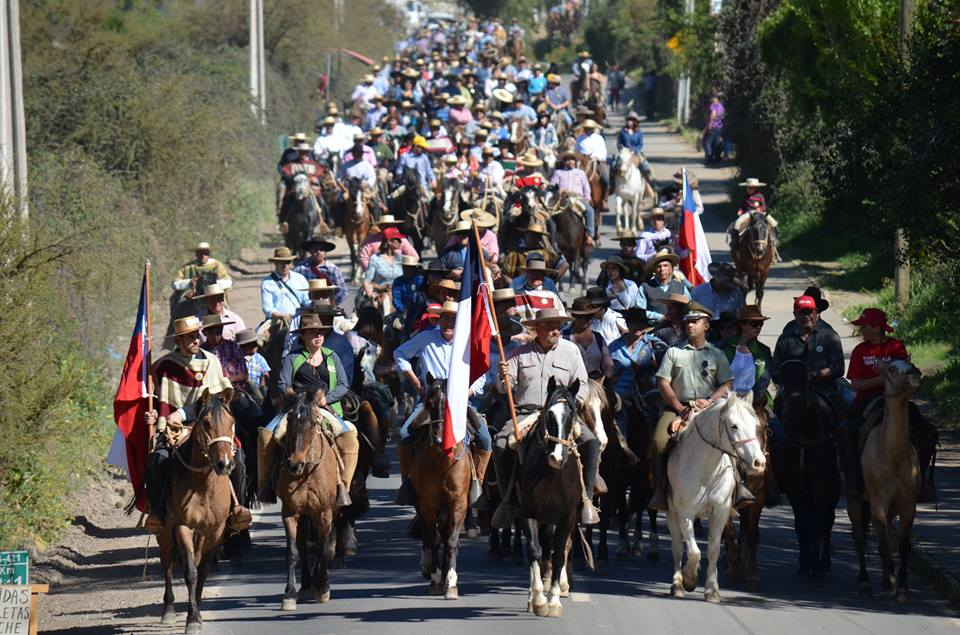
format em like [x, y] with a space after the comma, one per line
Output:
[307, 488]
[442, 483]
[198, 504]
[357, 220]
[754, 254]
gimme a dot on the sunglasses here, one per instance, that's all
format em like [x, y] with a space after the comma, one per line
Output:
[757, 324]
[804, 312]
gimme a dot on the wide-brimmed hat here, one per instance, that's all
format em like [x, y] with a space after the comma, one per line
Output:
[722, 270]
[449, 308]
[375, 131]
[636, 315]
[282, 254]
[388, 219]
[185, 325]
[583, 54]
[553, 78]
[202, 246]
[213, 320]
[658, 212]
[481, 217]
[328, 121]
[875, 318]
[750, 313]
[617, 261]
[695, 311]
[210, 291]
[568, 154]
[661, 256]
[446, 283]
[547, 316]
[411, 261]
[599, 296]
[457, 100]
[299, 136]
[359, 136]
[676, 298]
[818, 296]
[502, 94]
[502, 295]
[633, 115]
[321, 285]
[583, 306]
[538, 265]
[318, 242]
[411, 73]
[462, 227]
[583, 110]
[368, 78]
[628, 234]
[537, 228]
[247, 336]
[303, 146]
[312, 322]
[752, 182]
[590, 124]
[530, 159]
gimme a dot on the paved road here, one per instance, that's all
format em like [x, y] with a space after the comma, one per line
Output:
[381, 589]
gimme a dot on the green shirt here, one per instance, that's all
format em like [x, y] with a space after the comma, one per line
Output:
[695, 373]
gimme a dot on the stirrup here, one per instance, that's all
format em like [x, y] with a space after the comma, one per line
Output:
[588, 514]
[343, 496]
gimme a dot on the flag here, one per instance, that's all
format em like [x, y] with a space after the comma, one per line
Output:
[691, 237]
[131, 443]
[470, 357]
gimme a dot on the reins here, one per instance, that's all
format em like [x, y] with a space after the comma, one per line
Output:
[210, 441]
[726, 432]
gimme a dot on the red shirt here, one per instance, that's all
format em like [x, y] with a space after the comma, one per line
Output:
[864, 358]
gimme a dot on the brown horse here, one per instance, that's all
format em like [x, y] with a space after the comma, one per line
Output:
[891, 479]
[598, 193]
[741, 549]
[754, 254]
[307, 488]
[357, 219]
[442, 483]
[198, 504]
[572, 241]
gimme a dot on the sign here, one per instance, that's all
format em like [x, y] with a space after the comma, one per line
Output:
[15, 609]
[14, 568]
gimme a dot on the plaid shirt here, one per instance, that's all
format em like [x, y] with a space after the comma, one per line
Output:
[230, 355]
[257, 367]
[328, 271]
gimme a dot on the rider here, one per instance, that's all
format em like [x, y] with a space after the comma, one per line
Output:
[536, 242]
[606, 321]
[364, 91]
[721, 292]
[360, 151]
[753, 201]
[671, 329]
[382, 150]
[433, 348]
[593, 348]
[570, 178]
[660, 284]
[182, 376]
[537, 82]
[316, 266]
[536, 287]
[581, 66]
[630, 136]
[371, 244]
[543, 135]
[202, 265]
[654, 239]
[290, 153]
[635, 350]
[491, 173]
[524, 370]
[328, 143]
[591, 144]
[375, 114]
[283, 292]
[410, 287]
[419, 162]
[214, 303]
[619, 285]
[558, 98]
[690, 376]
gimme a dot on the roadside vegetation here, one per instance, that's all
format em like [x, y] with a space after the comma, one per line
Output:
[141, 142]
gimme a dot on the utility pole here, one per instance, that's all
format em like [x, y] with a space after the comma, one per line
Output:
[13, 130]
[683, 84]
[901, 267]
[257, 64]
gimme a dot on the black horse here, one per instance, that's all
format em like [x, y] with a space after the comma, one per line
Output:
[409, 206]
[807, 467]
[299, 212]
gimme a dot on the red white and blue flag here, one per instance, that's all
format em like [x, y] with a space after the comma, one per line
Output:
[691, 237]
[470, 357]
[131, 442]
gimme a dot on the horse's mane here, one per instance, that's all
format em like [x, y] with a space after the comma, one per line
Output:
[299, 409]
[215, 407]
[595, 393]
[717, 409]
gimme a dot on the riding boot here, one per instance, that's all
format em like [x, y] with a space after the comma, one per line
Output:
[406, 495]
[266, 455]
[480, 460]
[158, 473]
[658, 502]
[380, 466]
[742, 497]
[590, 456]
[349, 448]
[504, 463]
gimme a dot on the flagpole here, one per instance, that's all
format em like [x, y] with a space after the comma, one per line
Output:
[146, 353]
[496, 325]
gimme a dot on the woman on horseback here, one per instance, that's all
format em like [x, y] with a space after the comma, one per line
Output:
[625, 290]
[593, 349]
[385, 267]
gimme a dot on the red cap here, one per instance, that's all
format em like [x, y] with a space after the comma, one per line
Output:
[433, 311]
[804, 302]
[392, 232]
[875, 318]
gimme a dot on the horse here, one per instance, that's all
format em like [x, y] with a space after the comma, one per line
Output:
[306, 483]
[357, 220]
[891, 479]
[703, 478]
[299, 214]
[273, 334]
[408, 204]
[598, 193]
[641, 422]
[551, 490]
[518, 135]
[445, 212]
[572, 241]
[198, 504]
[441, 480]
[807, 466]
[516, 45]
[741, 547]
[629, 192]
[754, 254]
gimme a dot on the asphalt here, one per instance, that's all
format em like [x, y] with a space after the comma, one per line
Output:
[381, 590]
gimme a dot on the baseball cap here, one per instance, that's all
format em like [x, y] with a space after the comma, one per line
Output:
[804, 303]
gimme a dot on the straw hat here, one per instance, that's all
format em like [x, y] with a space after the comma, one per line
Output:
[540, 266]
[502, 295]
[449, 308]
[321, 285]
[502, 94]
[303, 146]
[411, 261]
[299, 136]
[482, 218]
[627, 234]
[412, 74]
[529, 159]
[329, 121]
[661, 256]
[375, 131]
[457, 100]
[568, 154]
[547, 316]
[536, 228]
[211, 290]
[752, 182]
[449, 159]
[590, 124]
[448, 284]
[388, 219]
[312, 322]
[282, 254]
[247, 336]
[368, 78]
[183, 326]
[462, 227]
[214, 320]
[202, 246]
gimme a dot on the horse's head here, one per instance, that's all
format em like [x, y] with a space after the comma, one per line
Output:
[739, 420]
[451, 199]
[301, 432]
[435, 402]
[557, 421]
[357, 196]
[900, 377]
[623, 162]
[301, 186]
[758, 233]
[215, 427]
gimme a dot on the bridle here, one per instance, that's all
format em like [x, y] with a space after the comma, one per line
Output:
[208, 441]
[723, 431]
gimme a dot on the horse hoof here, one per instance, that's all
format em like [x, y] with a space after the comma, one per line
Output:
[322, 598]
[676, 590]
[653, 556]
[902, 597]
[288, 604]
[540, 610]
[688, 586]
[193, 628]
[638, 551]
[472, 534]
[713, 597]
[350, 551]
[304, 595]
[434, 589]
[452, 593]
[169, 617]
[555, 610]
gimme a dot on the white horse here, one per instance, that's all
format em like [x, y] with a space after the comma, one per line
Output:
[629, 192]
[702, 479]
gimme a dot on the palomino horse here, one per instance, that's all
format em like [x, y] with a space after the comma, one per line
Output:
[198, 504]
[357, 219]
[741, 547]
[518, 135]
[754, 254]
[307, 488]
[550, 495]
[299, 214]
[572, 241]
[702, 478]
[442, 483]
[807, 465]
[446, 211]
[891, 479]
[629, 192]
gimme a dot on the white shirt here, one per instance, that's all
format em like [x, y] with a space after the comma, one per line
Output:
[366, 92]
[609, 326]
[327, 144]
[593, 146]
[359, 169]
[495, 172]
[344, 133]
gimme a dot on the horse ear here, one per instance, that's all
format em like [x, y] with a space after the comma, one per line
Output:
[227, 395]
[575, 387]
[551, 384]
[430, 379]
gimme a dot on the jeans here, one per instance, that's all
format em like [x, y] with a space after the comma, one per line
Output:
[589, 219]
[713, 144]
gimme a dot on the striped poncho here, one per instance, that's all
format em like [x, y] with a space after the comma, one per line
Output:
[181, 382]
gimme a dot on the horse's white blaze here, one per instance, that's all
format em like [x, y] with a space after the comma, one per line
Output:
[600, 432]
[301, 186]
[451, 578]
[557, 412]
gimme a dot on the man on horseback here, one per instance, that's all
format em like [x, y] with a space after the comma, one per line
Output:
[660, 284]
[317, 267]
[529, 368]
[721, 292]
[490, 175]
[201, 270]
[182, 377]
[558, 99]
[592, 145]
[214, 303]
[536, 289]
[571, 179]
[283, 292]
[690, 376]
[418, 161]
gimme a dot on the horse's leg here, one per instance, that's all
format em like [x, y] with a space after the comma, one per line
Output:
[429, 562]
[800, 522]
[856, 511]
[289, 602]
[451, 544]
[759, 282]
[676, 546]
[202, 571]
[185, 541]
[321, 576]
[906, 523]
[828, 517]
[732, 552]
[718, 522]
[617, 212]
[606, 504]
[653, 546]
[750, 542]
[558, 558]
[691, 570]
[168, 559]
[536, 600]
[517, 536]
[878, 513]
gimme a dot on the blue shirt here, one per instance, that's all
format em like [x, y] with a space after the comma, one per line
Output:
[434, 354]
[283, 297]
[406, 290]
[520, 283]
[627, 298]
[419, 163]
[536, 85]
[624, 360]
[630, 140]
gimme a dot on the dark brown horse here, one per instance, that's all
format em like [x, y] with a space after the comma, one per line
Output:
[442, 483]
[357, 218]
[408, 203]
[572, 241]
[273, 333]
[754, 254]
[198, 504]
[307, 488]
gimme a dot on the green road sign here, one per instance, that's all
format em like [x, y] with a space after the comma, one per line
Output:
[14, 567]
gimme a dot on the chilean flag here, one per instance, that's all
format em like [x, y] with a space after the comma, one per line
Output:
[470, 357]
[692, 238]
[131, 443]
